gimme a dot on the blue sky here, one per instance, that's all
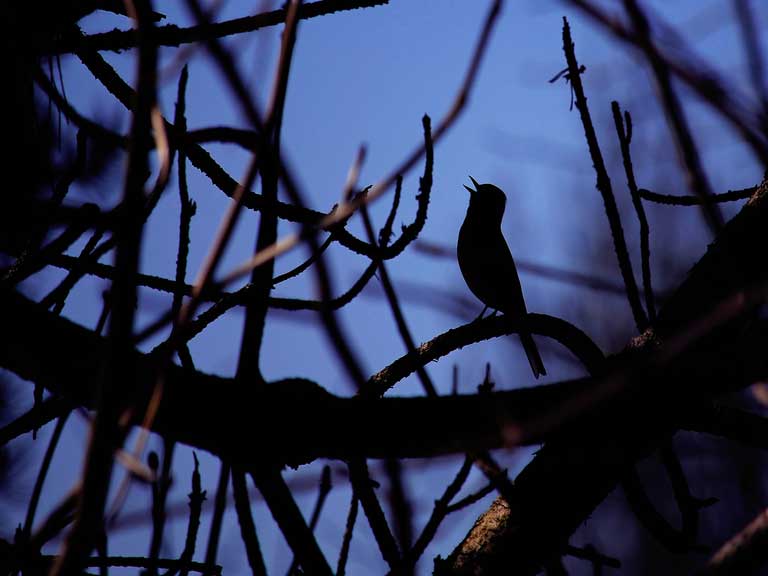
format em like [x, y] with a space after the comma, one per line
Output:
[367, 77]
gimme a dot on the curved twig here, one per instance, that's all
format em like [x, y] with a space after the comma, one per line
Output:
[304, 265]
[672, 200]
[492, 327]
[236, 298]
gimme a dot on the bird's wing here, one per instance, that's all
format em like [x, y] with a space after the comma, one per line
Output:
[509, 287]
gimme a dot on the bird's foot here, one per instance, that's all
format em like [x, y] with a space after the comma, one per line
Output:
[480, 317]
[491, 315]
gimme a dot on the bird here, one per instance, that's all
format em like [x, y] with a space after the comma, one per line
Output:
[487, 264]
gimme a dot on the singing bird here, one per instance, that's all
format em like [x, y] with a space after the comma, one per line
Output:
[487, 264]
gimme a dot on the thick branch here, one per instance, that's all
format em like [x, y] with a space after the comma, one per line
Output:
[302, 421]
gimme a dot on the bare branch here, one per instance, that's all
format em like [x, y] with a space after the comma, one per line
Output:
[247, 527]
[603, 182]
[624, 131]
[744, 553]
[673, 200]
[172, 35]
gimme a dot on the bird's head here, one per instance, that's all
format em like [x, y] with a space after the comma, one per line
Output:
[487, 199]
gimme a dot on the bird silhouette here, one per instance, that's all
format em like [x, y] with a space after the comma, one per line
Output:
[487, 264]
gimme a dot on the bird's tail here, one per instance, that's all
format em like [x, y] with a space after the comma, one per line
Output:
[532, 352]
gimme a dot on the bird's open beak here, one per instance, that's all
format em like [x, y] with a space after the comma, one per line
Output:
[473, 182]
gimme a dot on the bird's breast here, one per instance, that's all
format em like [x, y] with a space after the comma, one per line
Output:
[488, 268]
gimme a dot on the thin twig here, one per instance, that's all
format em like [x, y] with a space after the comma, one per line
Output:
[688, 505]
[497, 476]
[243, 137]
[44, 467]
[672, 200]
[197, 325]
[219, 506]
[341, 344]
[177, 508]
[91, 253]
[280, 278]
[347, 540]
[247, 140]
[226, 300]
[230, 300]
[322, 494]
[624, 131]
[172, 35]
[247, 527]
[354, 174]
[672, 539]
[290, 521]
[160, 486]
[187, 209]
[58, 296]
[385, 234]
[439, 512]
[401, 508]
[470, 499]
[603, 182]
[689, 512]
[363, 485]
